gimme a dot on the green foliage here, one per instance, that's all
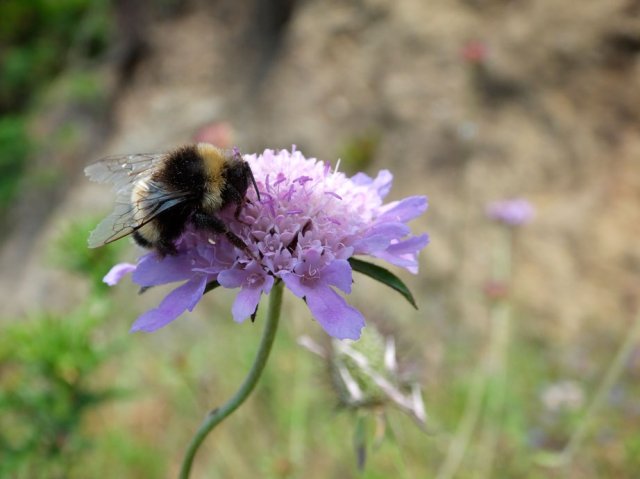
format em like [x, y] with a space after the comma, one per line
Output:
[38, 39]
[47, 366]
[134, 457]
[384, 276]
[70, 252]
[40, 36]
[85, 87]
[15, 147]
[358, 152]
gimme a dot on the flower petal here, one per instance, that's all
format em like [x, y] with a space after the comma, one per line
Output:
[404, 253]
[404, 210]
[153, 270]
[338, 273]
[379, 237]
[118, 272]
[406, 261]
[245, 303]
[411, 245]
[184, 297]
[295, 284]
[336, 317]
[232, 278]
[382, 182]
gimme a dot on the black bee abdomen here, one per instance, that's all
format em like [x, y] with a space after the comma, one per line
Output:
[183, 170]
[141, 240]
[170, 224]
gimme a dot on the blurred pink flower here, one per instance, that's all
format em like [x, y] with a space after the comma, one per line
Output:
[475, 51]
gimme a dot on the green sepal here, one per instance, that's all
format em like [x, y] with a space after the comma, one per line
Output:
[384, 276]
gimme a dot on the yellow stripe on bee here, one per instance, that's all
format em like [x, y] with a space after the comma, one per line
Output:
[150, 232]
[214, 161]
[138, 195]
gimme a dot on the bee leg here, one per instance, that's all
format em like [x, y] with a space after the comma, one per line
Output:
[236, 213]
[210, 222]
[232, 195]
[165, 248]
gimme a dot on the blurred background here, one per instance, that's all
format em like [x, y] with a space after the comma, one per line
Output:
[525, 342]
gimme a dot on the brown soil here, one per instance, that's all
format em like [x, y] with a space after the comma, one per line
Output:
[551, 113]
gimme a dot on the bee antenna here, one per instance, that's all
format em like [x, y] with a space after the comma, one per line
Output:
[238, 155]
[255, 185]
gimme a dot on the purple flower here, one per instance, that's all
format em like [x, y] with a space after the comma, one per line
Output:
[310, 221]
[118, 272]
[513, 212]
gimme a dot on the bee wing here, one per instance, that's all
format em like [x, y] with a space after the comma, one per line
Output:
[123, 171]
[126, 217]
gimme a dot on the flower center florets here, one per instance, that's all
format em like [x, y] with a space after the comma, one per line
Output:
[254, 279]
[302, 221]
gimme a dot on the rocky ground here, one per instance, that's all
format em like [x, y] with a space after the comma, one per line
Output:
[468, 101]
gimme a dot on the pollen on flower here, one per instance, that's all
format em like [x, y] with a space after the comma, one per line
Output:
[311, 219]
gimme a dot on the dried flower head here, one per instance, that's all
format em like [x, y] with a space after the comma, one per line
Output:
[365, 374]
[310, 221]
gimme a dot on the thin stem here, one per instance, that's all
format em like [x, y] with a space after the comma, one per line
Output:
[399, 459]
[460, 442]
[614, 372]
[498, 360]
[496, 387]
[217, 415]
[490, 378]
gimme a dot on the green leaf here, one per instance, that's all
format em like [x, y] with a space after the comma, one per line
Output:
[384, 276]
[211, 285]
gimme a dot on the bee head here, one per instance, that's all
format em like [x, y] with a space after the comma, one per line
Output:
[239, 174]
[245, 173]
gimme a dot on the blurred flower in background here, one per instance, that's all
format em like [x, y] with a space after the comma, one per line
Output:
[511, 212]
[475, 51]
[564, 395]
[218, 133]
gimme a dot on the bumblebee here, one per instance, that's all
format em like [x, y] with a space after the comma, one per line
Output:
[158, 195]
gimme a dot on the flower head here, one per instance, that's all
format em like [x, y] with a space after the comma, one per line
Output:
[310, 220]
[513, 212]
[366, 374]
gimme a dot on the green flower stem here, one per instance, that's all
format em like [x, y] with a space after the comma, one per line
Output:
[216, 416]
[490, 379]
[615, 370]
[496, 379]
